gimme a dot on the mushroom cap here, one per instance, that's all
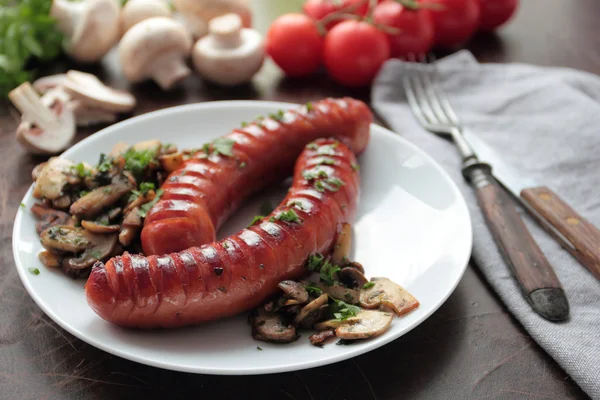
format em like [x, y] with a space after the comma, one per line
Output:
[209, 9]
[135, 11]
[148, 40]
[94, 94]
[96, 31]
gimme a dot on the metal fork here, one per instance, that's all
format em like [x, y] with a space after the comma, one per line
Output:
[530, 267]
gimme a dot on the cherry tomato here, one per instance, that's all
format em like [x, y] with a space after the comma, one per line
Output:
[416, 28]
[319, 9]
[495, 13]
[354, 51]
[456, 22]
[295, 45]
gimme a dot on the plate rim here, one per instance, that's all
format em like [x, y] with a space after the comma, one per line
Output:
[367, 347]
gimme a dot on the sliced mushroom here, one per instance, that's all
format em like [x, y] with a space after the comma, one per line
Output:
[291, 309]
[340, 292]
[335, 323]
[292, 302]
[52, 179]
[371, 323]
[131, 226]
[171, 162]
[294, 290]
[49, 259]
[387, 293]
[356, 265]
[152, 144]
[65, 238]
[270, 327]
[88, 116]
[352, 278]
[139, 201]
[99, 248]
[37, 170]
[94, 227]
[96, 95]
[319, 339]
[342, 245]
[311, 312]
[95, 201]
[118, 149]
[63, 201]
[44, 84]
[49, 217]
[114, 213]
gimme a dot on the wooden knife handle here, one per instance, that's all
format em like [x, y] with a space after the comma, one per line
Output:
[584, 237]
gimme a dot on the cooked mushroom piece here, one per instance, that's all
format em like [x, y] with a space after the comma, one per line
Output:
[335, 323]
[52, 179]
[356, 265]
[340, 292]
[386, 293]
[294, 290]
[48, 217]
[65, 238]
[63, 201]
[131, 226]
[312, 312]
[99, 247]
[94, 227]
[171, 162]
[370, 323]
[270, 327]
[342, 245]
[95, 201]
[49, 259]
[37, 170]
[319, 339]
[352, 277]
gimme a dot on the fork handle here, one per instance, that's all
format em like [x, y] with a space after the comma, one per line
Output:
[530, 267]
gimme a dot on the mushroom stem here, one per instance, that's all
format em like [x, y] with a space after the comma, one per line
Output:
[66, 13]
[29, 103]
[169, 69]
[226, 31]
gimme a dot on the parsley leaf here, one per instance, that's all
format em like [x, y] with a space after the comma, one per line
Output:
[223, 146]
[312, 146]
[145, 187]
[34, 271]
[23, 205]
[296, 204]
[368, 285]
[80, 170]
[327, 161]
[286, 216]
[256, 219]
[314, 291]
[314, 262]
[146, 207]
[328, 272]
[342, 310]
[319, 186]
[309, 106]
[278, 116]
[104, 164]
[95, 254]
[355, 167]
[137, 161]
[258, 348]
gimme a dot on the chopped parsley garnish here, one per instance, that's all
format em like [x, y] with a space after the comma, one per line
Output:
[137, 161]
[342, 310]
[327, 161]
[34, 271]
[314, 262]
[312, 146]
[223, 146]
[345, 342]
[286, 216]
[23, 205]
[244, 124]
[225, 245]
[104, 164]
[95, 254]
[309, 175]
[313, 290]
[296, 204]
[256, 219]
[278, 116]
[258, 348]
[83, 193]
[80, 170]
[328, 150]
[328, 272]
[145, 187]
[368, 285]
[243, 164]
[319, 186]
[335, 182]
[309, 106]
[266, 208]
[355, 167]
[146, 207]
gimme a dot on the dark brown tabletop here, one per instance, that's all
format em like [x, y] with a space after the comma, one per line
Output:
[471, 348]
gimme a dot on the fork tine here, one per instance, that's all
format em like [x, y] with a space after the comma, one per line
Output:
[421, 96]
[412, 100]
[443, 99]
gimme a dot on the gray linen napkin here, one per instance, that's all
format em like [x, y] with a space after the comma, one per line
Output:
[546, 122]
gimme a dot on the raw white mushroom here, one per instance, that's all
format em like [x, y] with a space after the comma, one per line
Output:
[198, 13]
[45, 83]
[156, 49]
[135, 11]
[96, 95]
[229, 55]
[45, 129]
[91, 27]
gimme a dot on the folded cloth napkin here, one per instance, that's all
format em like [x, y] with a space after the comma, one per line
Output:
[546, 122]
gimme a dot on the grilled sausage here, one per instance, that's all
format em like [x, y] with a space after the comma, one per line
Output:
[200, 196]
[240, 272]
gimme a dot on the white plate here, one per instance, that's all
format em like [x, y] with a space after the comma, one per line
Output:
[413, 227]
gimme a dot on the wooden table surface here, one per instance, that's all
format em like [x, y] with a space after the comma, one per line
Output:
[470, 348]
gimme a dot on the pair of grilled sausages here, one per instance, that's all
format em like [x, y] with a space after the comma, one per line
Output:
[190, 278]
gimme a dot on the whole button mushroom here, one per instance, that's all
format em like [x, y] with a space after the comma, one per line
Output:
[198, 13]
[135, 11]
[156, 48]
[91, 27]
[229, 55]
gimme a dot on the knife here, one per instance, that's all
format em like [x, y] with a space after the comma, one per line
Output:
[576, 234]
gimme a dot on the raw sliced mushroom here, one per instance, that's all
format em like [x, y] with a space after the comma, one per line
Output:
[94, 227]
[65, 238]
[96, 95]
[49, 259]
[44, 84]
[48, 217]
[352, 278]
[342, 245]
[95, 201]
[340, 292]
[270, 327]
[386, 293]
[294, 290]
[99, 248]
[311, 312]
[371, 324]
[86, 116]
[52, 179]
[319, 339]
[171, 162]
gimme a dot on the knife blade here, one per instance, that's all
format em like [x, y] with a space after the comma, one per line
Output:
[575, 233]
